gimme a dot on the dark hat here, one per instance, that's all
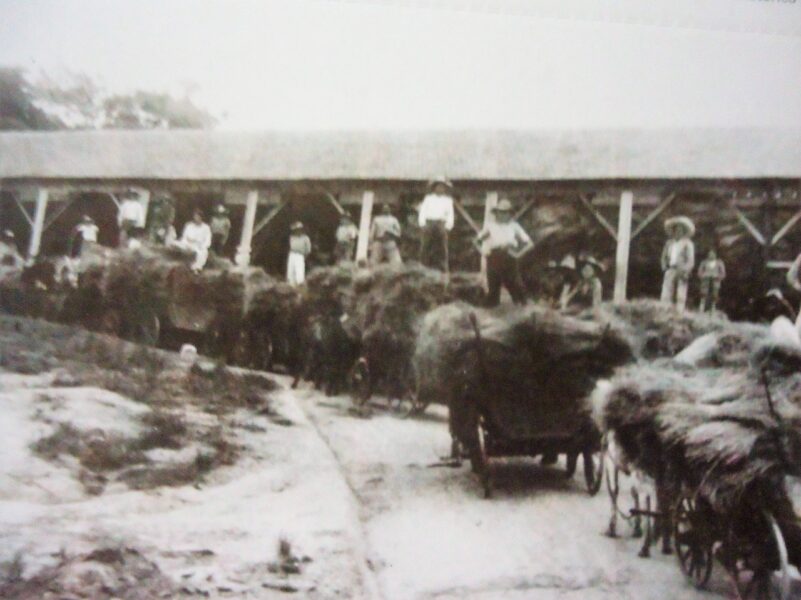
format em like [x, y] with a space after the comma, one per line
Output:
[130, 193]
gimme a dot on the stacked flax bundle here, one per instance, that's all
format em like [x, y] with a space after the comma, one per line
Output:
[384, 307]
[531, 373]
[729, 432]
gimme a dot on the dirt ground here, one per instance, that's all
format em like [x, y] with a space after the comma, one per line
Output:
[320, 503]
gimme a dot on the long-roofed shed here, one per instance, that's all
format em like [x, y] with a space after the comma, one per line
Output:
[469, 155]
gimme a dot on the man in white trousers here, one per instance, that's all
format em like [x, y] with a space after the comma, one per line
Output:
[299, 249]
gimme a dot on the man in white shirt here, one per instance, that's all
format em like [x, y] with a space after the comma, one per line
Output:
[503, 241]
[9, 253]
[85, 235]
[299, 249]
[196, 237]
[436, 220]
[346, 236]
[385, 233]
[678, 261]
[131, 216]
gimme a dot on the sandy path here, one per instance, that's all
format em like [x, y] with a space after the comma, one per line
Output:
[430, 534]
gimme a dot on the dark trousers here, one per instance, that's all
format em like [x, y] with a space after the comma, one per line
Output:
[502, 271]
[434, 246]
[218, 241]
[343, 251]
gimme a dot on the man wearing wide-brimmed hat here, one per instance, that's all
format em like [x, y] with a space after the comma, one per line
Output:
[436, 219]
[588, 291]
[299, 249]
[503, 241]
[678, 260]
[85, 235]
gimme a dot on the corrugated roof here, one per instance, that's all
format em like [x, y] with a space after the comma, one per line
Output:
[469, 155]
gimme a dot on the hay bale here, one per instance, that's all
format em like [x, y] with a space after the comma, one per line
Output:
[532, 373]
[384, 307]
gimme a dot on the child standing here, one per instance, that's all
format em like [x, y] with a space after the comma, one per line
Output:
[711, 272]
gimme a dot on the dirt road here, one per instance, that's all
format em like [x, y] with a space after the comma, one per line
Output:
[431, 535]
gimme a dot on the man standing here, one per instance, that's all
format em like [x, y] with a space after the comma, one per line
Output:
[220, 229]
[197, 238]
[131, 216]
[678, 260]
[9, 253]
[346, 235]
[385, 234]
[711, 272]
[503, 241]
[299, 249]
[436, 220]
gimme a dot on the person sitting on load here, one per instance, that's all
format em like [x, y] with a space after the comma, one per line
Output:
[220, 229]
[9, 253]
[299, 248]
[346, 236]
[588, 292]
[385, 234]
[436, 219]
[711, 272]
[678, 260]
[84, 236]
[196, 238]
[503, 241]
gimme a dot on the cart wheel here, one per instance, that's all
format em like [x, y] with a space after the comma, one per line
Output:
[360, 382]
[593, 471]
[693, 550]
[764, 582]
[478, 457]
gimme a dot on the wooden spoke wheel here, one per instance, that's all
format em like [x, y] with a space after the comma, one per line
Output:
[764, 573]
[360, 385]
[693, 546]
[593, 470]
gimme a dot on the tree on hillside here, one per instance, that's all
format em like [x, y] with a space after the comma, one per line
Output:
[18, 109]
[78, 103]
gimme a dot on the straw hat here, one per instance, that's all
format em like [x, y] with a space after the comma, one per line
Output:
[87, 219]
[8, 234]
[222, 209]
[440, 179]
[503, 206]
[682, 221]
[296, 226]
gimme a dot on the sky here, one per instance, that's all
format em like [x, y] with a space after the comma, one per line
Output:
[435, 64]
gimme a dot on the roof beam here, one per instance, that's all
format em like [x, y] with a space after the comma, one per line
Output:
[654, 214]
[749, 226]
[466, 215]
[785, 228]
[270, 216]
[598, 216]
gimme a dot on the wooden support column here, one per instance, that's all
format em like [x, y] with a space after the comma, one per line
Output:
[623, 246]
[144, 200]
[37, 227]
[490, 202]
[364, 226]
[243, 250]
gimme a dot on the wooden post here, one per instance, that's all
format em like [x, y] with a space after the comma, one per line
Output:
[37, 227]
[364, 226]
[490, 202]
[144, 200]
[623, 246]
[243, 250]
